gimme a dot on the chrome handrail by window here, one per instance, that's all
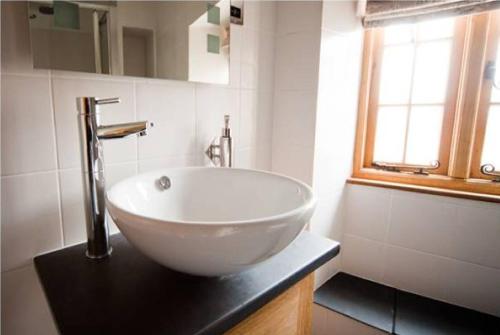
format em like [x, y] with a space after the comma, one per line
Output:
[413, 168]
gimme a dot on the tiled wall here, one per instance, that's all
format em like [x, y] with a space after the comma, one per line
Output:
[327, 322]
[42, 205]
[441, 247]
[339, 78]
[295, 89]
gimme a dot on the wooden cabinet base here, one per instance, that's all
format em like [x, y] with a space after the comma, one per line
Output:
[288, 314]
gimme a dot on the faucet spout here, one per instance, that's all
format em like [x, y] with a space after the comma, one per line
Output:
[123, 130]
[94, 185]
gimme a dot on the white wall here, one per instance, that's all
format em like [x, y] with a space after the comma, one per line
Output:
[339, 78]
[441, 247]
[298, 25]
[41, 185]
[318, 60]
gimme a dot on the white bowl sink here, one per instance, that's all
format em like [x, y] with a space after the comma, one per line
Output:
[211, 221]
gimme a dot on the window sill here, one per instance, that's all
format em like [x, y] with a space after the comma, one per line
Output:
[425, 189]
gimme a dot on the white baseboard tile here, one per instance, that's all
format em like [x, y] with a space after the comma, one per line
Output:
[327, 322]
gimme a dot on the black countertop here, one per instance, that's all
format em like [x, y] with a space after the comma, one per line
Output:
[129, 294]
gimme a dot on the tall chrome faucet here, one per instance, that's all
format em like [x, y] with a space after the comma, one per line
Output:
[94, 187]
[220, 150]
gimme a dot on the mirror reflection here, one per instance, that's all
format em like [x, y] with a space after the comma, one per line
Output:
[180, 40]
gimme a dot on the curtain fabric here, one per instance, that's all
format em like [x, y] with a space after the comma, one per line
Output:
[376, 13]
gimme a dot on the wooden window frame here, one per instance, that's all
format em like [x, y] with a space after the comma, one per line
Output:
[484, 97]
[464, 120]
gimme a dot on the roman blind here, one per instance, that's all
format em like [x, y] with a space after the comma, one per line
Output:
[376, 13]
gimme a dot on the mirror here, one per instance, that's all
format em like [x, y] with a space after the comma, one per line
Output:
[179, 40]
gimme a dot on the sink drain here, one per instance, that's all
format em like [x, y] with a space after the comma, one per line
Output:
[164, 183]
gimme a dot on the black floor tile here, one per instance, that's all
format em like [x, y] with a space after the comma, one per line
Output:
[417, 315]
[365, 301]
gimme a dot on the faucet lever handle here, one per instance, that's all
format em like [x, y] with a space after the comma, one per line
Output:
[107, 101]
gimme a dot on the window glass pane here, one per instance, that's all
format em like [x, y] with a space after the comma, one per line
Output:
[401, 33]
[424, 134]
[491, 147]
[434, 29]
[431, 72]
[495, 92]
[390, 134]
[396, 74]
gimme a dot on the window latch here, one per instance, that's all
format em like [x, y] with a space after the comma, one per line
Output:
[412, 168]
[490, 73]
[489, 170]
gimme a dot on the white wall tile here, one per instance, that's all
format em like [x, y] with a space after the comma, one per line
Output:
[475, 286]
[113, 174]
[297, 62]
[256, 119]
[172, 110]
[235, 56]
[24, 307]
[66, 90]
[463, 231]
[30, 218]
[249, 100]
[417, 272]
[264, 157]
[72, 200]
[339, 324]
[265, 119]
[267, 62]
[477, 232]
[293, 161]
[187, 116]
[294, 118]
[319, 320]
[367, 211]
[245, 158]
[168, 162]
[328, 217]
[28, 135]
[345, 15]
[257, 60]
[250, 46]
[363, 257]
[326, 271]
[297, 16]
[431, 230]
[117, 172]
[72, 207]
[260, 15]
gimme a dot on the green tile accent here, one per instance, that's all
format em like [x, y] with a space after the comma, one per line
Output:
[66, 15]
[213, 14]
[213, 44]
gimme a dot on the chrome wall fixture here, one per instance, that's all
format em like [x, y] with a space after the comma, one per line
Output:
[94, 187]
[220, 150]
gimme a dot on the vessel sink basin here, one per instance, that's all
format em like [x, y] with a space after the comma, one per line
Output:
[210, 221]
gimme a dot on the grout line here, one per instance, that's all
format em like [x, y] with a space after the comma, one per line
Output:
[199, 162]
[136, 119]
[423, 252]
[394, 310]
[56, 151]
[57, 170]
[386, 235]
